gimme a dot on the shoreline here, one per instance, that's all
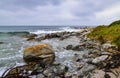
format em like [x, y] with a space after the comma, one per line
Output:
[86, 53]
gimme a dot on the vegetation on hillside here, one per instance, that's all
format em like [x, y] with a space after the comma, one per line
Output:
[109, 33]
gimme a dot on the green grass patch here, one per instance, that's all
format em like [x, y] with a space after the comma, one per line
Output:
[107, 33]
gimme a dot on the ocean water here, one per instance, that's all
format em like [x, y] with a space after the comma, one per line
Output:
[11, 50]
[36, 28]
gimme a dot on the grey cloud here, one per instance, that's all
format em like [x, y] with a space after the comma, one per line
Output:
[26, 4]
[88, 7]
[50, 12]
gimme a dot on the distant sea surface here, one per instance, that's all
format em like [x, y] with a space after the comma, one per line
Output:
[35, 28]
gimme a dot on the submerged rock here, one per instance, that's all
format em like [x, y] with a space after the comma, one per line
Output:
[39, 53]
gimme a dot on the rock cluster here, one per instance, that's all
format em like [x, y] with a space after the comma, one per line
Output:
[100, 56]
[98, 61]
[59, 35]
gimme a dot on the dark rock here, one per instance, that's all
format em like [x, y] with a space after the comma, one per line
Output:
[81, 66]
[61, 35]
[59, 69]
[56, 70]
[30, 36]
[85, 70]
[64, 36]
[114, 61]
[1, 42]
[77, 48]
[19, 71]
[29, 39]
[69, 47]
[78, 60]
[107, 76]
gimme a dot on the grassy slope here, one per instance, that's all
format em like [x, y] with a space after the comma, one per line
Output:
[107, 33]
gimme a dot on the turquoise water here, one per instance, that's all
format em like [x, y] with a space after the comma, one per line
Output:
[9, 50]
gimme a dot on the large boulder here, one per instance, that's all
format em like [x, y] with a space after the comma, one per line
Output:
[42, 53]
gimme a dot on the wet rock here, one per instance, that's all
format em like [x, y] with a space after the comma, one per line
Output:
[29, 39]
[30, 36]
[77, 48]
[113, 61]
[1, 42]
[60, 69]
[60, 35]
[39, 53]
[77, 58]
[64, 36]
[80, 66]
[85, 56]
[99, 59]
[89, 60]
[69, 47]
[107, 76]
[23, 71]
[40, 38]
[85, 70]
[55, 71]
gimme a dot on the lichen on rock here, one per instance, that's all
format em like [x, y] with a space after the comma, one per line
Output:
[39, 53]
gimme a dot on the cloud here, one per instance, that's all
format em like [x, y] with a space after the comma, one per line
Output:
[58, 12]
[109, 14]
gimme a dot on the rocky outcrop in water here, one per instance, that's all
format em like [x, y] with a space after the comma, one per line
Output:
[59, 35]
[39, 53]
[30, 36]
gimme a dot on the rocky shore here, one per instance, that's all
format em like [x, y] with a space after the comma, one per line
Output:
[90, 58]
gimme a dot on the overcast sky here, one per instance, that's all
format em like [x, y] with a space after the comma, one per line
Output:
[58, 12]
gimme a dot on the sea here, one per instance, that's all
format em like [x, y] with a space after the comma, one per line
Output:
[12, 44]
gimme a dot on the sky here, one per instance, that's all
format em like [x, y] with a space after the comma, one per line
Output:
[59, 12]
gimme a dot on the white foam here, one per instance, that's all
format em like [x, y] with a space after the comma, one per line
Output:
[11, 57]
[67, 29]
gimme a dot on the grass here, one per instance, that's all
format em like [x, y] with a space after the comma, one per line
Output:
[109, 33]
